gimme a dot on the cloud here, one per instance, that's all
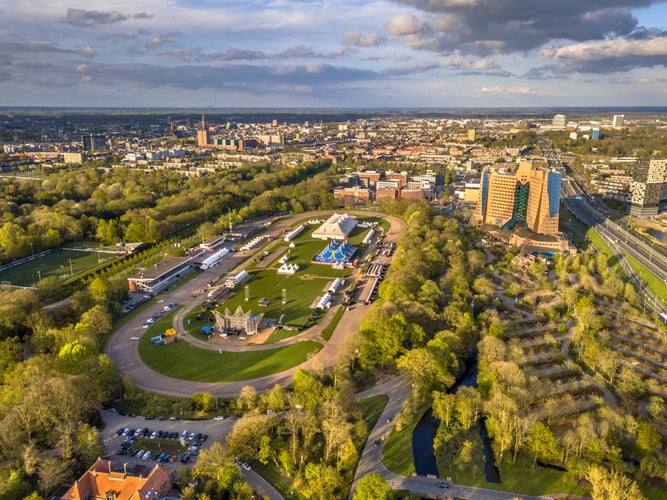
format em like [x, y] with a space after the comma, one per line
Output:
[82, 17]
[184, 54]
[484, 27]
[358, 39]
[246, 78]
[606, 56]
[30, 48]
[299, 52]
[238, 55]
[86, 50]
[160, 40]
[506, 90]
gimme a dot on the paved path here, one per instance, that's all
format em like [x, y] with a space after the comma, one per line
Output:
[126, 355]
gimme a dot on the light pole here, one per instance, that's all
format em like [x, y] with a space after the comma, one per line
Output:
[39, 273]
[71, 270]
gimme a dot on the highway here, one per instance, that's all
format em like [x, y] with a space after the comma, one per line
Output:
[623, 242]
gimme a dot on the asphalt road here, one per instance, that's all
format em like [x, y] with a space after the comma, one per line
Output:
[126, 355]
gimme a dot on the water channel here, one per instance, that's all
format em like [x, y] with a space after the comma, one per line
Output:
[658, 235]
[426, 429]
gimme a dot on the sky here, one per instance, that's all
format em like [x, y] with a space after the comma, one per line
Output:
[333, 53]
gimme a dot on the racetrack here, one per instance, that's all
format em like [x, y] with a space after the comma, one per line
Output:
[125, 353]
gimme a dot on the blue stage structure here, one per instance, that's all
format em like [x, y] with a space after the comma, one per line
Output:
[336, 252]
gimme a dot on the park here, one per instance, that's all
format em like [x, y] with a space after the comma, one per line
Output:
[289, 313]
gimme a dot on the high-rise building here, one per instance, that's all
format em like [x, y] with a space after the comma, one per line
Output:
[202, 133]
[617, 121]
[646, 188]
[528, 197]
[595, 134]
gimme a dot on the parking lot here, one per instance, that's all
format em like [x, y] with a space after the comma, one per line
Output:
[160, 440]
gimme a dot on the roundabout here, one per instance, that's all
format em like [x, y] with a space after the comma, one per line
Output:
[194, 365]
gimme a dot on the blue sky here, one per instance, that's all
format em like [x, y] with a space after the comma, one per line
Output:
[333, 53]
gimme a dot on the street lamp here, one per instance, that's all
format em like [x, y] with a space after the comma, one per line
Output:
[39, 273]
[71, 270]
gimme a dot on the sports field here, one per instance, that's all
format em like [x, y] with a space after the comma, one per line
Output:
[56, 263]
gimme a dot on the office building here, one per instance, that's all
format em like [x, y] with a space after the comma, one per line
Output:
[202, 133]
[526, 198]
[646, 188]
[617, 121]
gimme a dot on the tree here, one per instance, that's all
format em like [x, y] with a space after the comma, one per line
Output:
[542, 443]
[648, 438]
[372, 487]
[216, 463]
[247, 399]
[443, 407]
[321, 481]
[52, 472]
[612, 484]
[244, 440]
[205, 400]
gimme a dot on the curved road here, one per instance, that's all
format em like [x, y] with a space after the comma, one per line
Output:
[398, 390]
[126, 355]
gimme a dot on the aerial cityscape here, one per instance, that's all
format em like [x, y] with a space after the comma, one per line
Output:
[314, 250]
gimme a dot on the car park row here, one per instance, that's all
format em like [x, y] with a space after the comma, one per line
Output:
[192, 440]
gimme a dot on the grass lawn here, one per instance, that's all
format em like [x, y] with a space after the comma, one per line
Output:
[600, 244]
[279, 481]
[183, 361]
[328, 331]
[56, 263]
[397, 454]
[655, 284]
[168, 446]
[371, 409]
[280, 334]
[525, 480]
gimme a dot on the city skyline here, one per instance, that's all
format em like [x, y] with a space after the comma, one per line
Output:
[400, 53]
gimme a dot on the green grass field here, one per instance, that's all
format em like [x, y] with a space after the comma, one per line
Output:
[600, 244]
[525, 480]
[183, 361]
[328, 331]
[56, 263]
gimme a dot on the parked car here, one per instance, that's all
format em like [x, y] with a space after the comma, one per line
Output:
[442, 484]
[219, 417]
[246, 466]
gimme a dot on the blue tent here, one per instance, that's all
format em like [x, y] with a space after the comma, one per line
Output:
[205, 330]
[336, 252]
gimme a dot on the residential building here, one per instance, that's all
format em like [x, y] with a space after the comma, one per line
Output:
[646, 188]
[617, 121]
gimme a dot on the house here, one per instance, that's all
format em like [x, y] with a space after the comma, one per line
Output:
[103, 483]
